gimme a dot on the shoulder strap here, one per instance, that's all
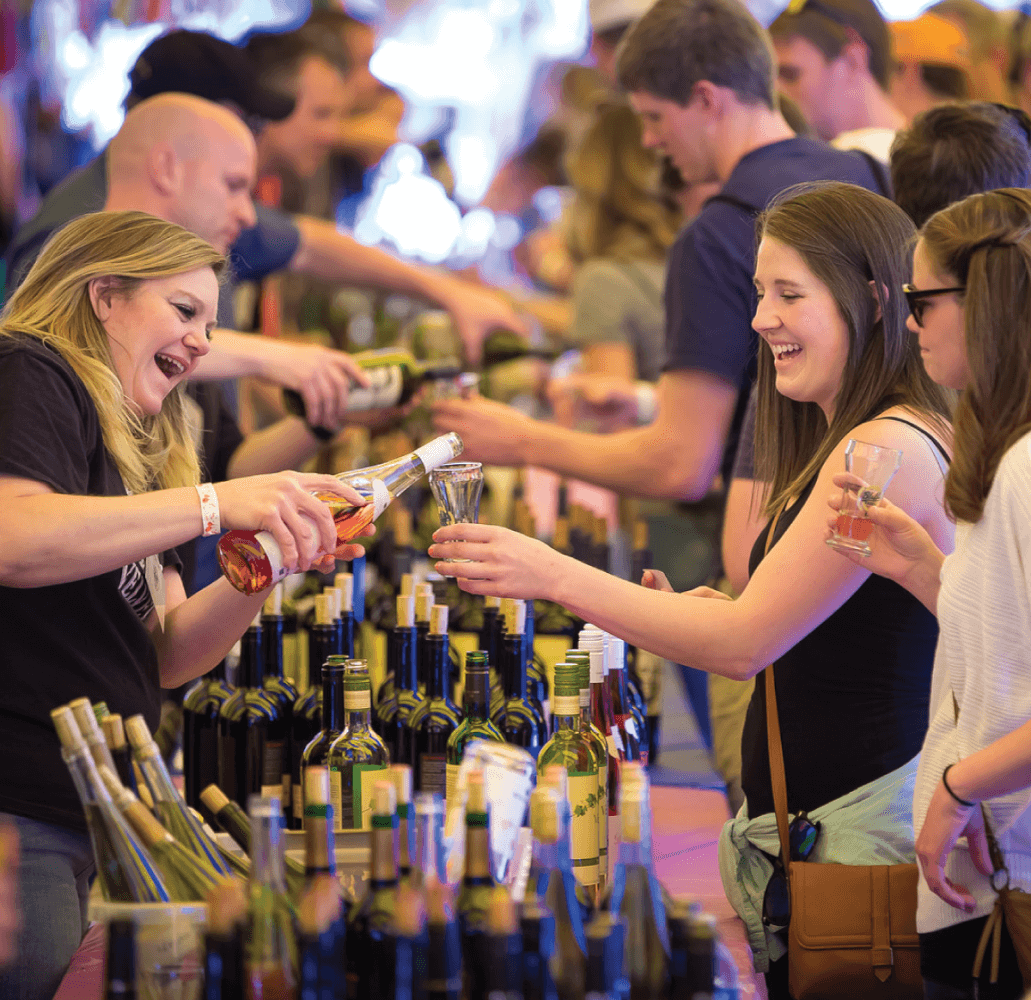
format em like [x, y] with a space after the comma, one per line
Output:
[778, 777]
[927, 434]
[879, 171]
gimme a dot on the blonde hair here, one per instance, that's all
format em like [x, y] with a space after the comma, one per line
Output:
[618, 210]
[53, 305]
[984, 242]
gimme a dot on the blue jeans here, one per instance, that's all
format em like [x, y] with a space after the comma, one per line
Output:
[54, 879]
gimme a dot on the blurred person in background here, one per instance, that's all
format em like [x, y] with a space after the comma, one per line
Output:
[932, 57]
[988, 34]
[834, 60]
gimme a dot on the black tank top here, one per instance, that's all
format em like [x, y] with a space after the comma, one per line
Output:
[852, 695]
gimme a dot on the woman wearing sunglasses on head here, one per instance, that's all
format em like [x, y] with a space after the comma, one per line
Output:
[971, 312]
[853, 651]
[98, 474]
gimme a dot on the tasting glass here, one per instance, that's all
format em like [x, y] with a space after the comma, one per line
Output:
[456, 488]
[874, 466]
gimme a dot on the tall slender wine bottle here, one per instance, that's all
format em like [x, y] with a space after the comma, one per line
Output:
[477, 883]
[372, 918]
[429, 864]
[251, 560]
[601, 755]
[489, 642]
[444, 955]
[476, 725]
[277, 685]
[89, 727]
[125, 870]
[424, 602]
[356, 754]
[223, 946]
[344, 582]
[169, 806]
[251, 732]
[605, 980]
[401, 775]
[411, 945]
[644, 668]
[114, 733]
[556, 891]
[201, 706]
[537, 927]
[403, 696]
[570, 748]
[536, 673]
[270, 945]
[323, 642]
[630, 725]
[334, 721]
[438, 718]
[519, 720]
[504, 948]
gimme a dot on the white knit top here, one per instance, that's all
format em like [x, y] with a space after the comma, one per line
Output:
[984, 658]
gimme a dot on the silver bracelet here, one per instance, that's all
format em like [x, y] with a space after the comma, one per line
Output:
[210, 518]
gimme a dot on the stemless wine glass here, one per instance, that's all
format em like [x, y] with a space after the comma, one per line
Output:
[874, 466]
[456, 488]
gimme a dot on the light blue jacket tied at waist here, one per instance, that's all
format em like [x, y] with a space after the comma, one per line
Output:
[871, 826]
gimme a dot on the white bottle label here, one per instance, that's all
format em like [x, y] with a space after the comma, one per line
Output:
[386, 383]
[452, 787]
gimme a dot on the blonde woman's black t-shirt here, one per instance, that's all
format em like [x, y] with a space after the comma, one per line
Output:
[66, 641]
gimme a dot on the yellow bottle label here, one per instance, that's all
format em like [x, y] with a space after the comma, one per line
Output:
[364, 782]
[452, 786]
[298, 797]
[335, 796]
[583, 834]
[357, 701]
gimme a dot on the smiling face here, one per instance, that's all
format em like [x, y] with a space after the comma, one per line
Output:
[156, 332]
[942, 330]
[678, 131]
[802, 325]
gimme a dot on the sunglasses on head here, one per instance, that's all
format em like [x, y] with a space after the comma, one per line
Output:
[916, 298]
[802, 837]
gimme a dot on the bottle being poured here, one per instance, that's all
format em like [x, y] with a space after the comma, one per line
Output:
[252, 560]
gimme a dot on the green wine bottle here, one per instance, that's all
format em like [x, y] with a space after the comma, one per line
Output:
[476, 725]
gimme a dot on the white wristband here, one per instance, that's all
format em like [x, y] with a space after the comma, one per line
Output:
[209, 514]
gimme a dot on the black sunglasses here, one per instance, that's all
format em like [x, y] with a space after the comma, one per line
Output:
[802, 837]
[915, 298]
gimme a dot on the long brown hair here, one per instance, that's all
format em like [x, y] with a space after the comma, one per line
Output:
[848, 237]
[53, 305]
[984, 242]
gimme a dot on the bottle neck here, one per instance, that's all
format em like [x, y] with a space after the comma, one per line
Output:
[356, 719]
[514, 652]
[427, 845]
[565, 718]
[319, 846]
[439, 665]
[620, 696]
[267, 853]
[404, 859]
[384, 861]
[477, 849]
[272, 637]
[345, 633]
[476, 699]
[251, 659]
[487, 636]
[634, 852]
[332, 700]
[323, 642]
[406, 663]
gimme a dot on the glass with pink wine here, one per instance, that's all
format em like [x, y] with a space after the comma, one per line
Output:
[873, 466]
[252, 560]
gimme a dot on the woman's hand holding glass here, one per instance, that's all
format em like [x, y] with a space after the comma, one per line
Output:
[284, 504]
[898, 542]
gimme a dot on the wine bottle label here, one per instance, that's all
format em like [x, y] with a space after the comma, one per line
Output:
[565, 704]
[335, 798]
[452, 786]
[438, 451]
[433, 771]
[615, 742]
[380, 497]
[362, 800]
[627, 724]
[386, 383]
[272, 770]
[357, 701]
[583, 832]
[585, 698]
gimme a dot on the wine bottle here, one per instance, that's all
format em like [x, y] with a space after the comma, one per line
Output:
[537, 927]
[321, 967]
[251, 560]
[637, 897]
[334, 721]
[435, 720]
[270, 944]
[601, 755]
[120, 960]
[86, 720]
[476, 725]
[372, 918]
[605, 958]
[424, 601]
[504, 948]
[355, 754]
[556, 891]
[644, 668]
[323, 642]
[444, 955]
[200, 733]
[277, 685]
[555, 777]
[401, 775]
[223, 947]
[125, 870]
[477, 883]
[403, 698]
[169, 806]
[429, 863]
[536, 674]
[187, 877]
[411, 945]
[344, 583]
[394, 378]
[114, 734]
[251, 732]
[519, 720]
[622, 707]
[602, 717]
[488, 641]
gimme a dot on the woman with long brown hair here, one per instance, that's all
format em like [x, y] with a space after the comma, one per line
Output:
[853, 652]
[971, 313]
